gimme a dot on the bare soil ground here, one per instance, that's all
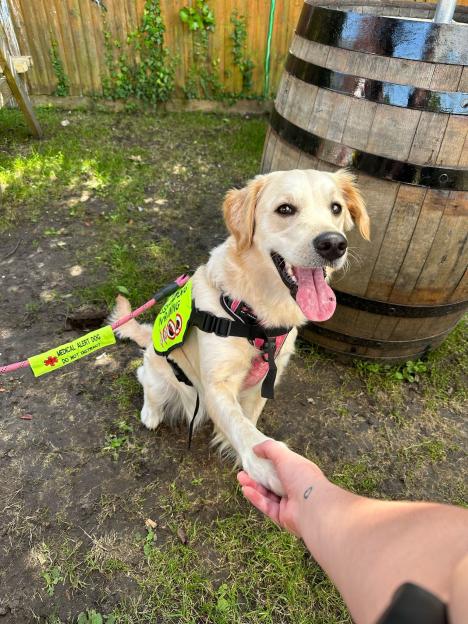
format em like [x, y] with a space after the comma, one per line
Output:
[125, 201]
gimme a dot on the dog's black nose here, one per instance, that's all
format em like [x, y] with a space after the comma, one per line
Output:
[330, 245]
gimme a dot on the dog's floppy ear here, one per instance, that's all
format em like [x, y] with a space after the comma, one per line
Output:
[239, 211]
[354, 201]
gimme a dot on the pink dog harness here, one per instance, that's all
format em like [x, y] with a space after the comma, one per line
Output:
[259, 366]
[243, 324]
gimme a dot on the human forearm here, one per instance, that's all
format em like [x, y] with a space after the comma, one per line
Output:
[369, 547]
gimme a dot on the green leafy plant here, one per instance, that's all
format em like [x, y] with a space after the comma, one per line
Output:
[226, 600]
[148, 543]
[201, 18]
[151, 76]
[118, 84]
[203, 76]
[239, 54]
[92, 617]
[409, 371]
[63, 84]
[116, 442]
[52, 577]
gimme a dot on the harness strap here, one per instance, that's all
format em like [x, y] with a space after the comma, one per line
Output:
[179, 373]
[192, 422]
[224, 328]
[182, 377]
[268, 385]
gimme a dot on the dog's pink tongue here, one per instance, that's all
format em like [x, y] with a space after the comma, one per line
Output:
[314, 296]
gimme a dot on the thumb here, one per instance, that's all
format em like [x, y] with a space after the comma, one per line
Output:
[272, 450]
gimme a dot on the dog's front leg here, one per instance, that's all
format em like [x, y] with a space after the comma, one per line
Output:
[226, 412]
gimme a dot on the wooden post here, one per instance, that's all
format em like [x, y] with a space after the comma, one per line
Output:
[17, 90]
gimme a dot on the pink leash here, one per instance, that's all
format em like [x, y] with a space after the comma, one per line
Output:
[164, 292]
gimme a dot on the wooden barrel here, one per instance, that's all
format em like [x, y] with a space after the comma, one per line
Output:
[379, 88]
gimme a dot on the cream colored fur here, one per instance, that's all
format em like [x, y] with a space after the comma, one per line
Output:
[242, 268]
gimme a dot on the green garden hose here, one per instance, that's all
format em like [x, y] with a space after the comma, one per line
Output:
[266, 88]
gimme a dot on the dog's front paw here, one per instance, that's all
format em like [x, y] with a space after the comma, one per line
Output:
[149, 417]
[262, 471]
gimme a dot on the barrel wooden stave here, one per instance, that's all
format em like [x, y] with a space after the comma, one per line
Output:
[418, 254]
[394, 352]
[417, 136]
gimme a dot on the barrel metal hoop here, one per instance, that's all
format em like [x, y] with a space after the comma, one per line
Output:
[371, 342]
[386, 36]
[390, 93]
[441, 178]
[397, 309]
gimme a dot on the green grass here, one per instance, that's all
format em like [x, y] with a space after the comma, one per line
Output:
[400, 423]
[445, 383]
[361, 477]
[236, 568]
[92, 155]
[239, 568]
[126, 389]
[59, 564]
[135, 266]
[441, 377]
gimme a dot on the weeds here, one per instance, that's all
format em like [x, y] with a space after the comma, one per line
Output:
[59, 564]
[203, 79]
[93, 617]
[63, 83]
[148, 543]
[151, 78]
[52, 577]
[239, 53]
[409, 371]
[117, 442]
[200, 18]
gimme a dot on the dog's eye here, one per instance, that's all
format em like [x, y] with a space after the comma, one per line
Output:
[286, 210]
[336, 208]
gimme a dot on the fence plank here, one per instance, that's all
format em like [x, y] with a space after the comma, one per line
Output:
[39, 77]
[61, 31]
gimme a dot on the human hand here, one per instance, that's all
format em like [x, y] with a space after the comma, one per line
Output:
[298, 477]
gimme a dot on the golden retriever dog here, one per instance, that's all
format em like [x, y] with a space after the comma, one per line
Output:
[287, 231]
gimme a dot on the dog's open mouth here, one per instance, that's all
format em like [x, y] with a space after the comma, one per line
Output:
[308, 287]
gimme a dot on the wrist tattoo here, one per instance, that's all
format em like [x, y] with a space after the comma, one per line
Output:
[308, 491]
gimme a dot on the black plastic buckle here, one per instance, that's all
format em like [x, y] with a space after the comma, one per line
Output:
[216, 325]
[268, 349]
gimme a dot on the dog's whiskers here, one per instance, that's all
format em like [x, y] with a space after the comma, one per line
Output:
[353, 253]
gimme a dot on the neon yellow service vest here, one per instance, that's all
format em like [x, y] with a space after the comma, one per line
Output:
[173, 320]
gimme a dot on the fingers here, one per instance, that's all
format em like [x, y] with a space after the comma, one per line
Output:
[266, 505]
[274, 451]
[245, 480]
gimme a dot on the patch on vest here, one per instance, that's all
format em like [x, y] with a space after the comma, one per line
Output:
[172, 322]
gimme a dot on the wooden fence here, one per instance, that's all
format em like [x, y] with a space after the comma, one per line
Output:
[76, 29]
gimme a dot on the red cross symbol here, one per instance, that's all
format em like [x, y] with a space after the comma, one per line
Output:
[51, 361]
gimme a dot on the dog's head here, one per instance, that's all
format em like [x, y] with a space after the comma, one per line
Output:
[298, 219]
